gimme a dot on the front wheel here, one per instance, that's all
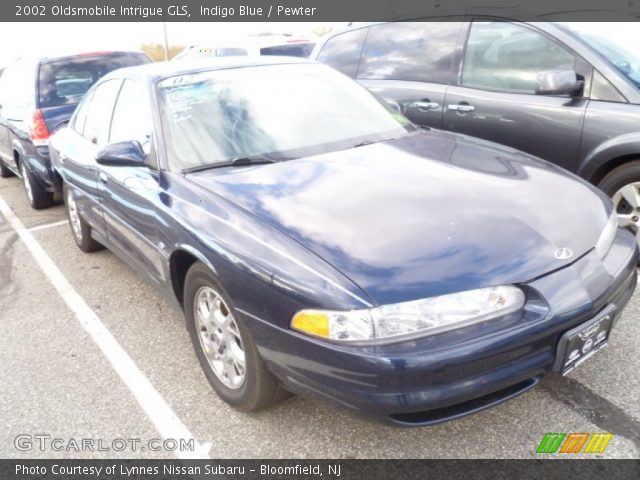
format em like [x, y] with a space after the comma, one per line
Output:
[623, 185]
[224, 347]
[80, 229]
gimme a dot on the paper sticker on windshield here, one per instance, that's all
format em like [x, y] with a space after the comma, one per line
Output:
[182, 98]
[175, 81]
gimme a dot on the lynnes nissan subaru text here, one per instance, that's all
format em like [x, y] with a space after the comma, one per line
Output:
[319, 243]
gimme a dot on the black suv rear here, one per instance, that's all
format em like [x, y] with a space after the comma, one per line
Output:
[36, 98]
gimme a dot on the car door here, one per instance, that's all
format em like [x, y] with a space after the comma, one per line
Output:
[129, 193]
[494, 97]
[409, 64]
[90, 131]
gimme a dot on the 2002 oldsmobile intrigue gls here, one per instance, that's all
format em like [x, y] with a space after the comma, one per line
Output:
[318, 241]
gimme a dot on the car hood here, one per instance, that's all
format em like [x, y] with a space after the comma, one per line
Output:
[428, 214]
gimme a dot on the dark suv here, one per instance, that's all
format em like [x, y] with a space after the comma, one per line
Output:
[559, 91]
[37, 97]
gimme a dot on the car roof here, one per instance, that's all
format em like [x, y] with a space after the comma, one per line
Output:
[61, 55]
[531, 13]
[157, 70]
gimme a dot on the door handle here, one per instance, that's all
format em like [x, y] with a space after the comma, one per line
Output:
[62, 158]
[461, 108]
[425, 105]
[102, 177]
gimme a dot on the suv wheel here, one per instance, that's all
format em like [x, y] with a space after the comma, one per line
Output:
[38, 197]
[80, 230]
[224, 347]
[623, 186]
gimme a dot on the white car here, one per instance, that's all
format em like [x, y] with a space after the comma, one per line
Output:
[281, 45]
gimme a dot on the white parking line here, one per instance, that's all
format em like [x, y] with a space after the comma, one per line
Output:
[156, 408]
[48, 225]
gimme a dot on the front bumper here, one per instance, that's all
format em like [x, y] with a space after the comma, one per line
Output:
[442, 377]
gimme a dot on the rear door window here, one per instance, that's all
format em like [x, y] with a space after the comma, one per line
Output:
[412, 51]
[65, 81]
[98, 122]
[342, 52]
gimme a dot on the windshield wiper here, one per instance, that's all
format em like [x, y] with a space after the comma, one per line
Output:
[234, 162]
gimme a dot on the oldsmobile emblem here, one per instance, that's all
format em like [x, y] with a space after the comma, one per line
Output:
[563, 253]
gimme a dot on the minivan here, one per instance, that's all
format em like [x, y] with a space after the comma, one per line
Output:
[560, 91]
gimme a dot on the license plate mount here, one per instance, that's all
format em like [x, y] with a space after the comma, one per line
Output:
[582, 342]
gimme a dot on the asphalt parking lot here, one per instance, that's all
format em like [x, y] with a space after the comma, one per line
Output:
[55, 380]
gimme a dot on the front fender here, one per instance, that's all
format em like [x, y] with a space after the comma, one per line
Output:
[266, 273]
[616, 147]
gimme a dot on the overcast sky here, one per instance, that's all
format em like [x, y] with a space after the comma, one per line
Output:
[19, 39]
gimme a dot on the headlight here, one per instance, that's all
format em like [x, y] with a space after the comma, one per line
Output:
[607, 236]
[410, 319]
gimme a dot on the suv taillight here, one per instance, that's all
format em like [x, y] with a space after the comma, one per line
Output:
[39, 131]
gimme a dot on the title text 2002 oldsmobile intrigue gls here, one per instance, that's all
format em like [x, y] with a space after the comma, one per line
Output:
[318, 241]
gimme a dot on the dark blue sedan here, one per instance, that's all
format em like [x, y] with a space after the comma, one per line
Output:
[321, 244]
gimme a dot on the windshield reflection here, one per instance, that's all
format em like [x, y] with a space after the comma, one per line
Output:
[273, 110]
[616, 42]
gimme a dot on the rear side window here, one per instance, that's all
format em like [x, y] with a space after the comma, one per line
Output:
[63, 82]
[413, 51]
[289, 50]
[342, 52]
[98, 122]
[506, 57]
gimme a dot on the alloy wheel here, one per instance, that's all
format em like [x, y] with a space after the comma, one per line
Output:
[627, 206]
[220, 337]
[74, 216]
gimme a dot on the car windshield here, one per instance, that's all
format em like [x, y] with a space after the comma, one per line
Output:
[617, 42]
[275, 111]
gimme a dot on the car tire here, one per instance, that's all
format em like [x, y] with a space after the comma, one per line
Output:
[4, 170]
[80, 229]
[622, 184]
[246, 389]
[37, 196]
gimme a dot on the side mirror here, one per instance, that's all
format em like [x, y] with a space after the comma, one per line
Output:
[122, 154]
[558, 82]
